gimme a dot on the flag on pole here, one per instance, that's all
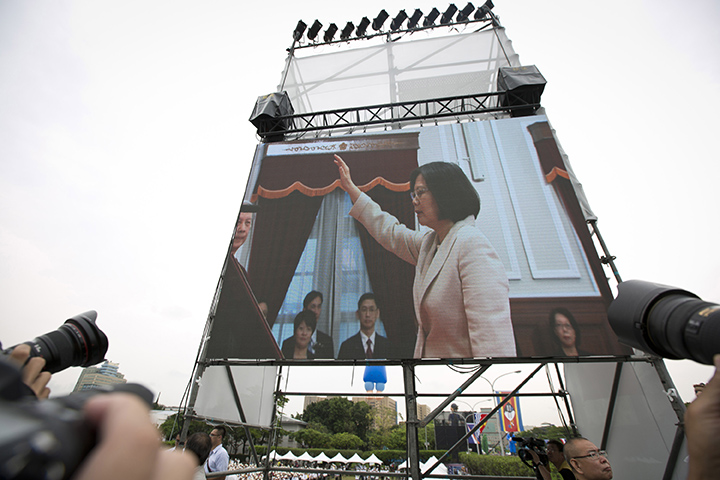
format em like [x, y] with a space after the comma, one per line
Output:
[511, 418]
[475, 437]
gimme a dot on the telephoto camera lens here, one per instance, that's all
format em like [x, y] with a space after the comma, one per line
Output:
[77, 343]
[666, 321]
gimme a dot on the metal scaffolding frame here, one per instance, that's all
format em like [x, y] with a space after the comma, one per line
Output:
[415, 112]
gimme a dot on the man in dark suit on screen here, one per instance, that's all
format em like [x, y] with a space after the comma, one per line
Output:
[366, 343]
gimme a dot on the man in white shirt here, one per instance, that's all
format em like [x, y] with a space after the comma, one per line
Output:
[218, 460]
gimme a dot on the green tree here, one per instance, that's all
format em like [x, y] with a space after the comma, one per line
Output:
[430, 430]
[547, 432]
[173, 425]
[236, 439]
[346, 441]
[340, 415]
[312, 438]
[397, 439]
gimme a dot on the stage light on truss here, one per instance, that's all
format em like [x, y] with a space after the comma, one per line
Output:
[330, 32]
[314, 30]
[431, 17]
[484, 10]
[415, 19]
[464, 14]
[398, 21]
[362, 28]
[448, 15]
[380, 19]
[299, 30]
[347, 31]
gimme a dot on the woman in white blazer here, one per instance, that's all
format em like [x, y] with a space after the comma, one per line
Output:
[460, 289]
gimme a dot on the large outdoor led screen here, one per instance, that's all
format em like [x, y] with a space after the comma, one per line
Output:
[521, 280]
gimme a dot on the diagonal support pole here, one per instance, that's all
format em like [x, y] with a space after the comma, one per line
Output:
[453, 396]
[481, 423]
[236, 396]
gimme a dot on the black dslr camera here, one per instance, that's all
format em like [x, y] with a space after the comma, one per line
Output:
[526, 445]
[48, 439]
[76, 343]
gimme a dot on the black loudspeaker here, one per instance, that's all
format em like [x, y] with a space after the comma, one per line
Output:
[523, 87]
[267, 116]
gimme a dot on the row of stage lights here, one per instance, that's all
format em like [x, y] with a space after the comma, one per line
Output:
[413, 23]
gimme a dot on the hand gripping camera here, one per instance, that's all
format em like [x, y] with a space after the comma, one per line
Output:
[48, 439]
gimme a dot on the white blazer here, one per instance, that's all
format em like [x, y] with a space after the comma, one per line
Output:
[460, 289]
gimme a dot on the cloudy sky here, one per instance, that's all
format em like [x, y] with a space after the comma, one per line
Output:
[125, 147]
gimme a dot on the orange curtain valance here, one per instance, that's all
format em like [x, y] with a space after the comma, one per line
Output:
[319, 192]
[316, 174]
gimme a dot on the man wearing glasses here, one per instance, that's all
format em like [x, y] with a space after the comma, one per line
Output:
[587, 461]
[218, 460]
[367, 343]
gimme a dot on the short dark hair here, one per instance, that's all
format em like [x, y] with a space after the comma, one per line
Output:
[200, 444]
[455, 195]
[560, 446]
[305, 316]
[221, 430]
[310, 297]
[565, 312]
[367, 296]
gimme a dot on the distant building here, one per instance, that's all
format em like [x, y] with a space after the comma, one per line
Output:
[291, 425]
[105, 375]
[384, 410]
[422, 411]
[493, 430]
[310, 400]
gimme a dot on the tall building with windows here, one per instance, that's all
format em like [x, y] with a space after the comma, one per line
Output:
[422, 411]
[384, 410]
[95, 377]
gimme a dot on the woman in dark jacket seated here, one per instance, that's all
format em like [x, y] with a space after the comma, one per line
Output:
[296, 347]
[566, 333]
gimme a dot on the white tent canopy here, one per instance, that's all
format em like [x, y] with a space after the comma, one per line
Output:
[440, 470]
[373, 459]
[288, 456]
[322, 458]
[305, 457]
[339, 458]
[273, 455]
[355, 459]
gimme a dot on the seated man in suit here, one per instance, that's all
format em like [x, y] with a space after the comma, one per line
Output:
[366, 343]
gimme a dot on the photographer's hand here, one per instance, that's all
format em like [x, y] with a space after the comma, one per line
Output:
[128, 444]
[702, 428]
[32, 373]
[543, 469]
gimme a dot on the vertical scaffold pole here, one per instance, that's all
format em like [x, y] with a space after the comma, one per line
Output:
[411, 420]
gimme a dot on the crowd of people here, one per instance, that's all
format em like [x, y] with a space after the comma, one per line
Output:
[364, 472]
